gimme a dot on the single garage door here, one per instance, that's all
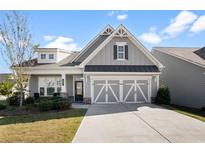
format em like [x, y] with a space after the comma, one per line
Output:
[121, 90]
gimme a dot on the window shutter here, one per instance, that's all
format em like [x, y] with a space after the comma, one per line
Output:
[115, 51]
[126, 51]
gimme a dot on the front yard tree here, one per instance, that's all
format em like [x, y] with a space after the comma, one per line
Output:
[17, 48]
[6, 88]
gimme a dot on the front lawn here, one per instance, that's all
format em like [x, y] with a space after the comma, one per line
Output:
[194, 113]
[54, 127]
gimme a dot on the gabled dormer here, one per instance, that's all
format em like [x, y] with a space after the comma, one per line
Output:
[51, 55]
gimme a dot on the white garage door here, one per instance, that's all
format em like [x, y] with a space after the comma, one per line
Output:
[120, 90]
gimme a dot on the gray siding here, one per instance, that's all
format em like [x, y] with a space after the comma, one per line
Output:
[69, 79]
[154, 86]
[33, 85]
[87, 87]
[185, 80]
[105, 56]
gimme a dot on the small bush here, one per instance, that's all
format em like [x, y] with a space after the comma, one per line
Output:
[13, 100]
[203, 109]
[45, 106]
[163, 95]
[2, 106]
[56, 94]
[57, 103]
[36, 96]
[29, 100]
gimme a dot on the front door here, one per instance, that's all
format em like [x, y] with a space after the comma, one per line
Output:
[78, 91]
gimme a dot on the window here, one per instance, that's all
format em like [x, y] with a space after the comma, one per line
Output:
[51, 56]
[43, 56]
[50, 91]
[42, 91]
[120, 52]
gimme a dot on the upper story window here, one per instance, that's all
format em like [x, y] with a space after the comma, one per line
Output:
[121, 51]
[43, 56]
[51, 56]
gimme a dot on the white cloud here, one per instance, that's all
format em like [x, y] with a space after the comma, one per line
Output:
[111, 13]
[180, 23]
[122, 16]
[199, 25]
[63, 43]
[48, 38]
[150, 37]
[119, 15]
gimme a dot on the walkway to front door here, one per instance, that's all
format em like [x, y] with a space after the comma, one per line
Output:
[138, 123]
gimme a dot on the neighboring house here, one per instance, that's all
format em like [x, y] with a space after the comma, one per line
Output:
[184, 73]
[113, 67]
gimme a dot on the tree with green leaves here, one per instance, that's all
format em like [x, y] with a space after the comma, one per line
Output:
[17, 48]
[6, 88]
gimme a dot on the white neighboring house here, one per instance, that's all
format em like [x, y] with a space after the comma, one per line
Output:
[114, 67]
[184, 73]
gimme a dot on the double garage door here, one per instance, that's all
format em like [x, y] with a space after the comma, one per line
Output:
[121, 90]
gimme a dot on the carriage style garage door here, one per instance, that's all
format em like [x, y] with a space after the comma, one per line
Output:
[127, 90]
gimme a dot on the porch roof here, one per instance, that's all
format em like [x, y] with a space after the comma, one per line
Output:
[121, 68]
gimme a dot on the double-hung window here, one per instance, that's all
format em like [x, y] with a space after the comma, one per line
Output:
[120, 52]
[51, 56]
[43, 56]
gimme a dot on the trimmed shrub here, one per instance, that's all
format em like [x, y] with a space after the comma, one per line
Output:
[2, 106]
[163, 95]
[57, 103]
[56, 94]
[29, 100]
[36, 96]
[45, 106]
[13, 100]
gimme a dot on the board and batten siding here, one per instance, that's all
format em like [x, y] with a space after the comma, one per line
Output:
[106, 55]
[186, 81]
[33, 85]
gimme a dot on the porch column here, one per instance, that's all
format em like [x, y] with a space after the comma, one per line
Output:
[63, 86]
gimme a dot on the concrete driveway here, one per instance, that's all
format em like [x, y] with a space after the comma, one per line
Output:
[137, 123]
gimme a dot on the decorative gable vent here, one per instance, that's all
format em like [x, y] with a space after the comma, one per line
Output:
[108, 31]
[121, 33]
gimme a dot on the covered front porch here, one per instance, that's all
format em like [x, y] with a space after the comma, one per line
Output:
[65, 85]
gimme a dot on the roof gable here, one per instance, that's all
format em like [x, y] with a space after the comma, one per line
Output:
[93, 44]
[121, 31]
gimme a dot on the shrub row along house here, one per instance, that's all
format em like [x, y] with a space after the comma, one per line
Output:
[113, 67]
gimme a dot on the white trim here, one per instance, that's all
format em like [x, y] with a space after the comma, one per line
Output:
[122, 73]
[181, 58]
[121, 43]
[132, 38]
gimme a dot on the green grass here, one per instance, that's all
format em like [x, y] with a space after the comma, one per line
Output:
[194, 113]
[52, 127]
